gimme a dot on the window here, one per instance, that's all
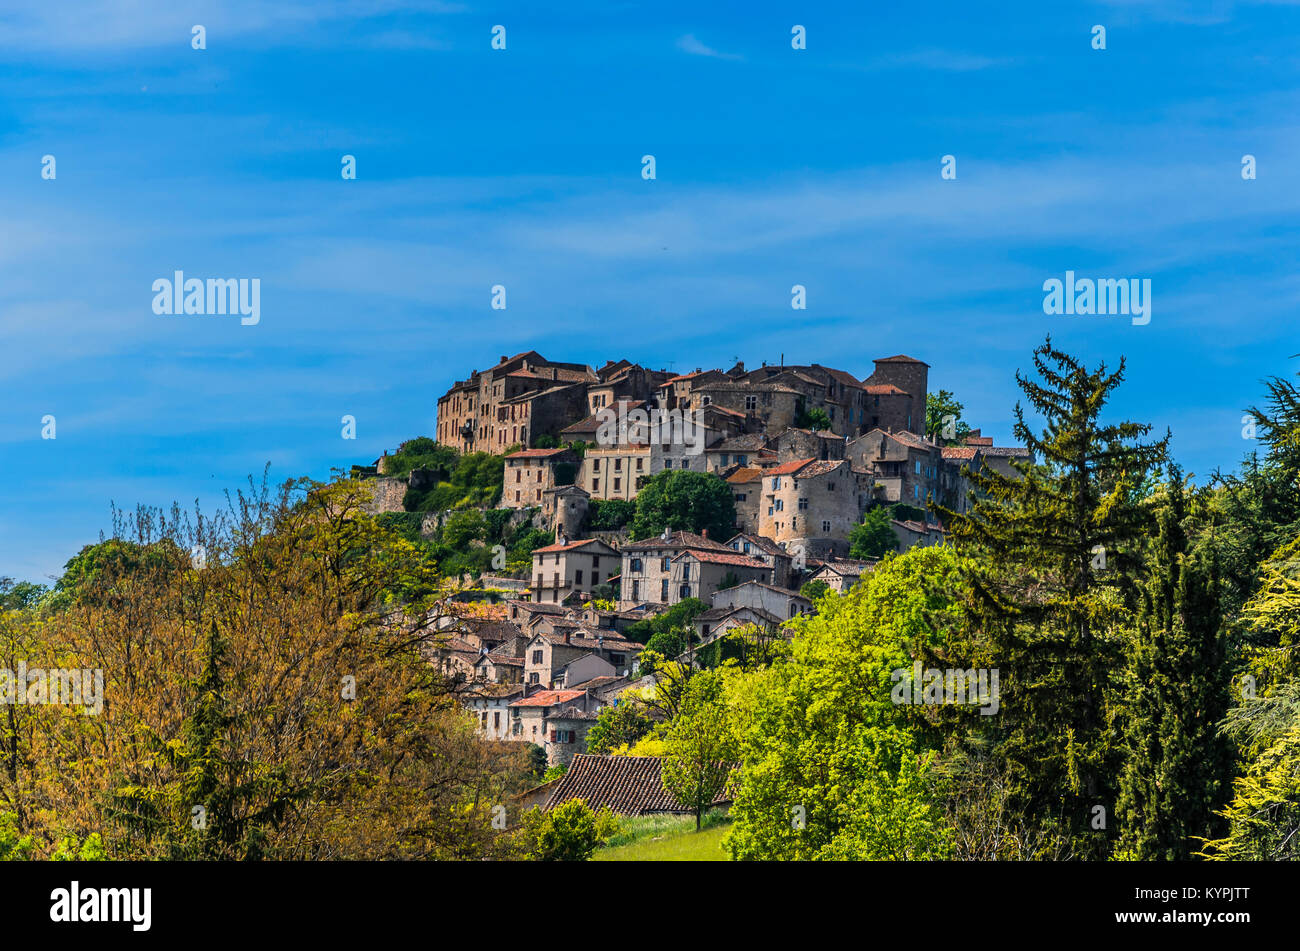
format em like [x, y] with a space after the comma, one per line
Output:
[803, 505]
[724, 458]
[663, 564]
[776, 483]
[685, 591]
[516, 495]
[595, 465]
[577, 576]
[635, 565]
[686, 572]
[636, 591]
[668, 463]
[663, 590]
[617, 484]
[537, 657]
[518, 474]
[830, 486]
[740, 496]
[751, 402]
[595, 486]
[780, 505]
[618, 464]
[534, 678]
[496, 720]
[639, 462]
[826, 527]
[918, 467]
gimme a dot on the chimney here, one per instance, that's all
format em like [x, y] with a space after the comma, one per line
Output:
[704, 533]
[503, 358]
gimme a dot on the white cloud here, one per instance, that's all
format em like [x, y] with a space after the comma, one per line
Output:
[689, 44]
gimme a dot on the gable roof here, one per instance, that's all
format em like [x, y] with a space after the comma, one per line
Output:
[786, 468]
[548, 698]
[676, 540]
[628, 785]
[570, 546]
[537, 453]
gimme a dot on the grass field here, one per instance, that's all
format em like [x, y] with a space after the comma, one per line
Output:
[666, 839]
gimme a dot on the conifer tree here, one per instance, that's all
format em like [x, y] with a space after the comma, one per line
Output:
[1177, 765]
[1058, 551]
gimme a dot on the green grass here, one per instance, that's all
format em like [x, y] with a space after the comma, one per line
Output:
[666, 839]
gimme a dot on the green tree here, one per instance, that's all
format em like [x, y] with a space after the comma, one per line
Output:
[682, 500]
[940, 409]
[874, 537]
[813, 590]
[1177, 765]
[700, 746]
[622, 724]
[832, 767]
[1059, 548]
[815, 419]
[568, 833]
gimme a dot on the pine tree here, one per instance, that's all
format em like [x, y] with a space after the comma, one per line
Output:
[1178, 766]
[1058, 552]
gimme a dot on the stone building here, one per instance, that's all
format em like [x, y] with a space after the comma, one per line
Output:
[512, 403]
[906, 466]
[569, 568]
[699, 574]
[896, 395]
[746, 488]
[805, 444]
[648, 575]
[811, 505]
[770, 553]
[614, 472]
[564, 510]
[530, 472]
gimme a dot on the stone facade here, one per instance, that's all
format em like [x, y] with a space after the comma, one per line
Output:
[811, 505]
[568, 568]
[530, 472]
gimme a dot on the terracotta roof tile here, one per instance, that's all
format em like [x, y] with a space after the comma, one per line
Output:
[628, 785]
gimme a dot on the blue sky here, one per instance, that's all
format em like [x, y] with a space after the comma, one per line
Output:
[522, 167]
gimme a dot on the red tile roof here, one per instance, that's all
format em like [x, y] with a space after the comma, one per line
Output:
[535, 453]
[567, 546]
[744, 474]
[548, 698]
[724, 558]
[794, 465]
[628, 785]
[960, 452]
[901, 358]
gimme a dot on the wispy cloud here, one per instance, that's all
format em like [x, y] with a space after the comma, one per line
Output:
[690, 44]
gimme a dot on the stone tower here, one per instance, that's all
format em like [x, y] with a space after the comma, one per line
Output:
[911, 376]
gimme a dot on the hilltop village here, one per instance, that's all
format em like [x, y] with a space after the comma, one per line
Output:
[805, 453]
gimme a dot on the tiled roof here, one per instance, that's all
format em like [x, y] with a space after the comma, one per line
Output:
[794, 465]
[628, 785]
[761, 542]
[960, 452]
[979, 441]
[745, 474]
[849, 568]
[535, 453]
[567, 546]
[1018, 451]
[902, 358]
[676, 540]
[724, 558]
[747, 442]
[508, 660]
[548, 698]
[884, 389]
[914, 526]
[820, 468]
